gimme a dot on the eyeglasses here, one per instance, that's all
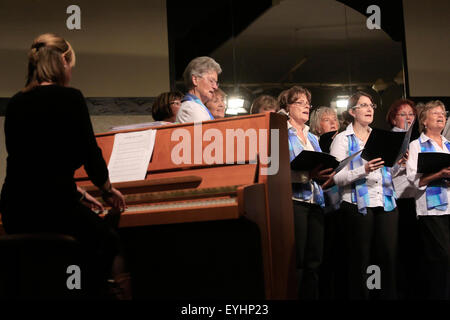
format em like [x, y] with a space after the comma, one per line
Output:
[211, 81]
[302, 104]
[365, 106]
[326, 119]
[439, 113]
[404, 115]
[176, 102]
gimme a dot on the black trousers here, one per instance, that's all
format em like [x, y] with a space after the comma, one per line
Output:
[434, 235]
[370, 239]
[333, 277]
[309, 235]
[408, 250]
[99, 241]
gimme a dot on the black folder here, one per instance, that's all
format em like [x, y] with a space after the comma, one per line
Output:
[406, 142]
[431, 162]
[325, 141]
[308, 160]
[384, 144]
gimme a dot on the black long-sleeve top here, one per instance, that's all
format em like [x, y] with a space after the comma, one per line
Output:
[48, 136]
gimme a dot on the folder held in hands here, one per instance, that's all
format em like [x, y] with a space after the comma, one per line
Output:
[308, 160]
[431, 162]
[325, 141]
[384, 144]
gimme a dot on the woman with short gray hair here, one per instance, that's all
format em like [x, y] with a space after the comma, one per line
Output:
[200, 77]
[432, 202]
[323, 120]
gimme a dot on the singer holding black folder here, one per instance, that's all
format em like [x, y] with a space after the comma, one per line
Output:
[307, 194]
[368, 208]
[432, 205]
[401, 116]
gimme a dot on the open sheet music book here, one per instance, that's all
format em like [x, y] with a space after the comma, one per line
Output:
[131, 155]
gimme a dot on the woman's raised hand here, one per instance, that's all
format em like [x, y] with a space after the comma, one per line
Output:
[373, 165]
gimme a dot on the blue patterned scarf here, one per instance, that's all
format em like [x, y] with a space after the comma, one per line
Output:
[360, 193]
[303, 190]
[191, 97]
[436, 190]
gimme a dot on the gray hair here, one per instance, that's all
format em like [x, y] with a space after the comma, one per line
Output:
[198, 67]
[316, 116]
[423, 113]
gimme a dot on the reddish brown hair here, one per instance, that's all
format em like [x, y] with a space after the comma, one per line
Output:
[395, 106]
[289, 96]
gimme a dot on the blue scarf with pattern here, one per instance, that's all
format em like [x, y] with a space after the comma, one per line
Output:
[436, 190]
[303, 190]
[191, 97]
[360, 193]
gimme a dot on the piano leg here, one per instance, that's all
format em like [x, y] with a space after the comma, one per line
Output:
[279, 277]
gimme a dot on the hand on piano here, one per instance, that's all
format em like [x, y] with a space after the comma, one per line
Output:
[115, 199]
[92, 203]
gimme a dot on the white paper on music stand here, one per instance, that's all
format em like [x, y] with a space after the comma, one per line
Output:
[131, 155]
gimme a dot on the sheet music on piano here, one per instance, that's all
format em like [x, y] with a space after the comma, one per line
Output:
[131, 155]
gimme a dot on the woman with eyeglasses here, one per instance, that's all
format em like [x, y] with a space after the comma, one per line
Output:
[401, 116]
[432, 202]
[368, 208]
[200, 78]
[307, 193]
[166, 106]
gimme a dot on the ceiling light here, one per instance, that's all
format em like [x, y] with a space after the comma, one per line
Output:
[342, 103]
[235, 103]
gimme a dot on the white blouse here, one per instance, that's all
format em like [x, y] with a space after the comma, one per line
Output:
[191, 111]
[414, 177]
[302, 176]
[345, 177]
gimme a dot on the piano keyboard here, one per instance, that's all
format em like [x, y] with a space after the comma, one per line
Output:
[178, 194]
[148, 207]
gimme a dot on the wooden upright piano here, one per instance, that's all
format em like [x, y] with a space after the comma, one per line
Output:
[237, 187]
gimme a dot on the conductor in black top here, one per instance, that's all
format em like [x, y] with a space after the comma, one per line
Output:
[48, 136]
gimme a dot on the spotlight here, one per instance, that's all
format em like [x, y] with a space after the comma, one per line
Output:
[235, 106]
[342, 103]
[235, 102]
